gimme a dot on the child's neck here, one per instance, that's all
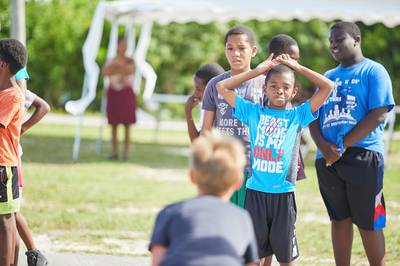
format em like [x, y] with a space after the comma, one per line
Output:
[5, 82]
[238, 71]
[224, 197]
[287, 106]
[357, 58]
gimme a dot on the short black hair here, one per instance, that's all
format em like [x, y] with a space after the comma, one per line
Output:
[279, 69]
[349, 27]
[280, 44]
[240, 29]
[14, 54]
[208, 71]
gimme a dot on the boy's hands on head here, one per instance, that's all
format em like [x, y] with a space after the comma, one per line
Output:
[287, 60]
[265, 66]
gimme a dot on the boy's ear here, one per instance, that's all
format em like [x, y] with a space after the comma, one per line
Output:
[264, 87]
[295, 91]
[238, 184]
[357, 40]
[254, 51]
[192, 176]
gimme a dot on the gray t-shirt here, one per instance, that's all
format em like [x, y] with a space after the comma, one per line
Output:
[224, 121]
[205, 231]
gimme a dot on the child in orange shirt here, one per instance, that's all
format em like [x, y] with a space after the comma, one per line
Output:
[13, 57]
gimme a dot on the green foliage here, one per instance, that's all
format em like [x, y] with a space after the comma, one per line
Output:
[56, 31]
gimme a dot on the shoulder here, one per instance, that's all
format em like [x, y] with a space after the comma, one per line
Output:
[13, 94]
[212, 82]
[332, 71]
[374, 67]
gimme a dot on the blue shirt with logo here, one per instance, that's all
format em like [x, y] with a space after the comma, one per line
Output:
[358, 90]
[275, 142]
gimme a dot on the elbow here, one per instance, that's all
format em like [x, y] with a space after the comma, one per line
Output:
[331, 85]
[382, 118]
[46, 108]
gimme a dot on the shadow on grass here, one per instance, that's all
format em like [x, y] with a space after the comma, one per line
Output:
[58, 150]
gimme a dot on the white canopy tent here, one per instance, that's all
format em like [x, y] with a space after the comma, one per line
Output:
[140, 14]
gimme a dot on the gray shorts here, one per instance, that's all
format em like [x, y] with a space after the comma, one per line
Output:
[274, 217]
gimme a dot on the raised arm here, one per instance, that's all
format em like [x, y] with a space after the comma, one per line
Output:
[116, 66]
[225, 87]
[324, 84]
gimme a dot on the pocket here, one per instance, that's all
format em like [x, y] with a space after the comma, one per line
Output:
[358, 157]
[3, 184]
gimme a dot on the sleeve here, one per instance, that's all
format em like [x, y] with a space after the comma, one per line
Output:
[251, 253]
[22, 74]
[208, 102]
[201, 120]
[29, 98]
[244, 109]
[379, 89]
[305, 115]
[160, 233]
[9, 106]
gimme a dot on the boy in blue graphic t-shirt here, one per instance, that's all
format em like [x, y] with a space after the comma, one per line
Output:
[350, 161]
[275, 132]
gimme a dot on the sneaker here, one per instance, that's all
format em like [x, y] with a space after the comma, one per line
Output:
[36, 258]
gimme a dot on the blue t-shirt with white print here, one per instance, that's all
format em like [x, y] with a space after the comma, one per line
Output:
[275, 142]
[358, 89]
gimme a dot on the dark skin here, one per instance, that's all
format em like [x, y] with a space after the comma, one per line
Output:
[346, 50]
[7, 221]
[191, 103]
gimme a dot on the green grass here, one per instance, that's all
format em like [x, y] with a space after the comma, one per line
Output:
[89, 202]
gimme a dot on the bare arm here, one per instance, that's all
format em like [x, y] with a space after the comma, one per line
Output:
[225, 87]
[365, 126]
[328, 150]
[192, 130]
[208, 121]
[116, 66]
[324, 84]
[157, 254]
[41, 109]
[251, 264]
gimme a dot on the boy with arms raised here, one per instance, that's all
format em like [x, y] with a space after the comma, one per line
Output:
[275, 132]
[240, 47]
[350, 161]
[285, 44]
[204, 230]
[12, 58]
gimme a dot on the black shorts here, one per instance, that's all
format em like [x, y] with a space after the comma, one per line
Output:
[353, 187]
[274, 217]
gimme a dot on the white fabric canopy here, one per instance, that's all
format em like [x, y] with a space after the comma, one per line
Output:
[203, 11]
[143, 13]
